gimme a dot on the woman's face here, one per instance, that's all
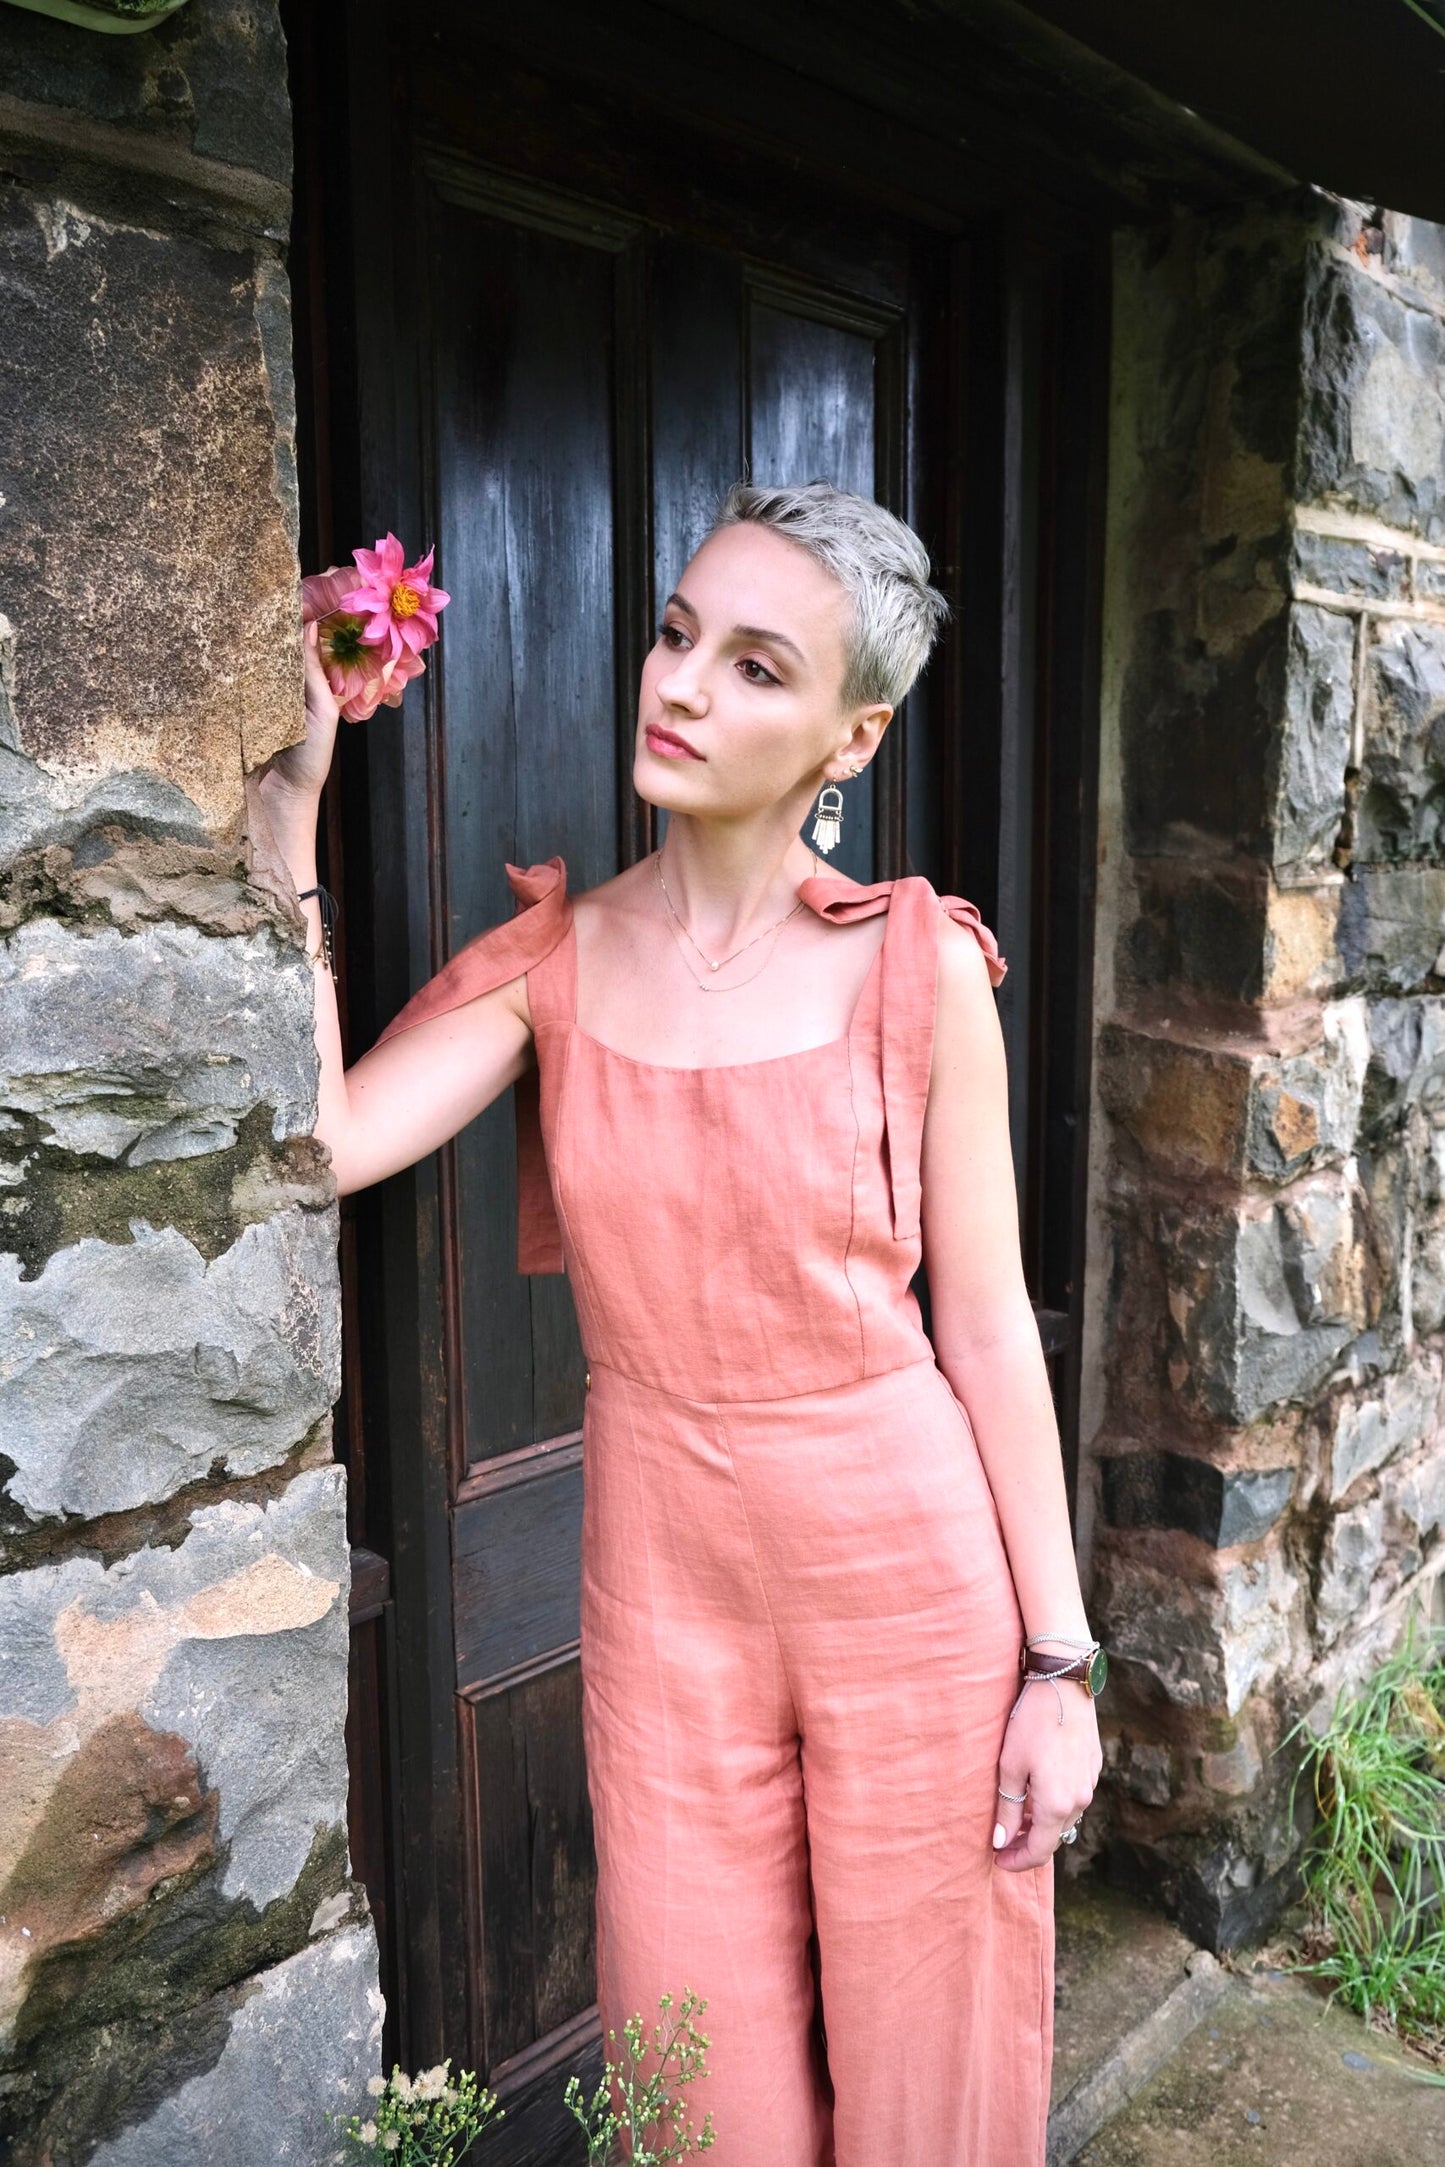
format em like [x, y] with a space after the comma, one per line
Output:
[741, 701]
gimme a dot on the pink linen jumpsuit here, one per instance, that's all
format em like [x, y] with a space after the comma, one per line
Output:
[799, 1631]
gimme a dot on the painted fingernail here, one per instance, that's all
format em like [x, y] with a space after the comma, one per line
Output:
[1000, 1835]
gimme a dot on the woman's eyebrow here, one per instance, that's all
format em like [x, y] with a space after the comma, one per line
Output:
[768, 639]
[741, 632]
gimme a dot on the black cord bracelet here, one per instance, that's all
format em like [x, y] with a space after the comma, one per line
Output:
[327, 905]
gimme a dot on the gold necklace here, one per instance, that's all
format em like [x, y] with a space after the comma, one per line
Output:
[705, 985]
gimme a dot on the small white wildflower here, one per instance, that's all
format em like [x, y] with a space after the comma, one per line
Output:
[402, 2085]
[367, 2133]
[376, 2086]
[390, 2139]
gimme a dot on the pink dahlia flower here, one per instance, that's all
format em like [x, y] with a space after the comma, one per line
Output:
[362, 677]
[397, 600]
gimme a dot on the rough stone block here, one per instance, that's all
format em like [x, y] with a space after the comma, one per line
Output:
[1311, 746]
[301, 2039]
[127, 1371]
[1407, 1061]
[1392, 925]
[149, 470]
[1300, 955]
[1260, 1304]
[1419, 1494]
[1212, 1884]
[1184, 1103]
[1197, 732]
[1400, 813]
[1304, 1108]
[1148, 1774]
[37, 808]
[1369, 1430]
[1344, 566]
[1222, 1506]
[1237, 1769]
[1198, 928]
[1386, 1179]
[205, 1687]
[1415, 255]
[154, 1044]
[1301, 1279]
[1210, 1643]
[1373, 419]
[1351, 1563]
[212, 79]
[1427, 1244]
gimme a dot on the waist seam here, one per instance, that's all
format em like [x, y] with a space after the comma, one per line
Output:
[763, 1399]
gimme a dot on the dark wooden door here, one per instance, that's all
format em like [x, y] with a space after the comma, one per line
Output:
[593, 383]
[573, 321]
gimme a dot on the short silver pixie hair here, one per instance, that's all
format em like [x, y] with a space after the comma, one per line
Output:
[878, 560]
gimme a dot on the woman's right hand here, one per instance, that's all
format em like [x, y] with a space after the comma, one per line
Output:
[299, 772]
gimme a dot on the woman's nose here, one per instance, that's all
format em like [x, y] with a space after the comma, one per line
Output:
[682, 690]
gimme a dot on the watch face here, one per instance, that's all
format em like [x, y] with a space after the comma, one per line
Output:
[1098, 1672]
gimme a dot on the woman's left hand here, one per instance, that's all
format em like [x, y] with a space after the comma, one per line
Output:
[1056, 1764]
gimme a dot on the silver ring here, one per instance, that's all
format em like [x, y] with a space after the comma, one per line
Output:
[1013, 1801]
[1070, 1835]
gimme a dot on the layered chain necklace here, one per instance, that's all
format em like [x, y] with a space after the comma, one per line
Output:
[708, 985]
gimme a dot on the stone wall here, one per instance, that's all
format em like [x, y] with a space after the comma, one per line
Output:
[1265, 1440]
[185, 1964]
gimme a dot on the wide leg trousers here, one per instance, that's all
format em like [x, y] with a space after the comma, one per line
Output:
[799, 1649]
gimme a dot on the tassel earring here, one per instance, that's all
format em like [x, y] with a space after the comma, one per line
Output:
[828, 826]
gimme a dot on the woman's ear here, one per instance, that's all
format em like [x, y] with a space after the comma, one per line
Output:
[869, 723]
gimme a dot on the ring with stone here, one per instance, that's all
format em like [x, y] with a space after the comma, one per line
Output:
[1070, 1835]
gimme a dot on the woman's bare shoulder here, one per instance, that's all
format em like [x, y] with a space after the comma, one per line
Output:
[622, 896]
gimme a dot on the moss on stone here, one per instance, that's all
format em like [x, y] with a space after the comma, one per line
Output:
[113, 2024]
[209, 1198]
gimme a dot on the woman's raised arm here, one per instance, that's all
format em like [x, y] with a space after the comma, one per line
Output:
[409, 1095]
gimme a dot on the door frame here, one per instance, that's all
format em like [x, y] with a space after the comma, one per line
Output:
[1026, 325]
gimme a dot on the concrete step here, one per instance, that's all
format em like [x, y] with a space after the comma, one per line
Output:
[1130, 1987]
[1166, 2058]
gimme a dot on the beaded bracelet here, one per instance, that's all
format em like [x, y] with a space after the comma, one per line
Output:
[327, 905]
[1037, 1677]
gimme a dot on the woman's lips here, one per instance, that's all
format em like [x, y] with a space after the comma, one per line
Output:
[667, 746]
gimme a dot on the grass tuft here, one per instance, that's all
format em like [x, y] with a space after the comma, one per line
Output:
[1374, 1869]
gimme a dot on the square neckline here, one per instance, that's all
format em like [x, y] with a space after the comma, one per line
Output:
[721, 1068]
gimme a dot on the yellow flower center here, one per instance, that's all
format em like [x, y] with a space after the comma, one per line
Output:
[405, 601]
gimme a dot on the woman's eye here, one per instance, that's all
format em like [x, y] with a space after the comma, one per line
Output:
[672, 636]
[764, 677]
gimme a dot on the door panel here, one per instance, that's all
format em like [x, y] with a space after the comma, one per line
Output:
[810, 400]
[524, 321]
[547, 319]
[537, 1876]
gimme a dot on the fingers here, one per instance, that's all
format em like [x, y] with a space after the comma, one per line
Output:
[1037, 1838]
[1012, 1811]
[320, 700]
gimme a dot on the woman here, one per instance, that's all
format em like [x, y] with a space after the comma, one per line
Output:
[813, 1541]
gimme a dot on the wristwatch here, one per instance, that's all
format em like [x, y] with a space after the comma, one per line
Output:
[1091, 1668]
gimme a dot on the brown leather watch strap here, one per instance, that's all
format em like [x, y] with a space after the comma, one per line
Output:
[1035, 1665]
